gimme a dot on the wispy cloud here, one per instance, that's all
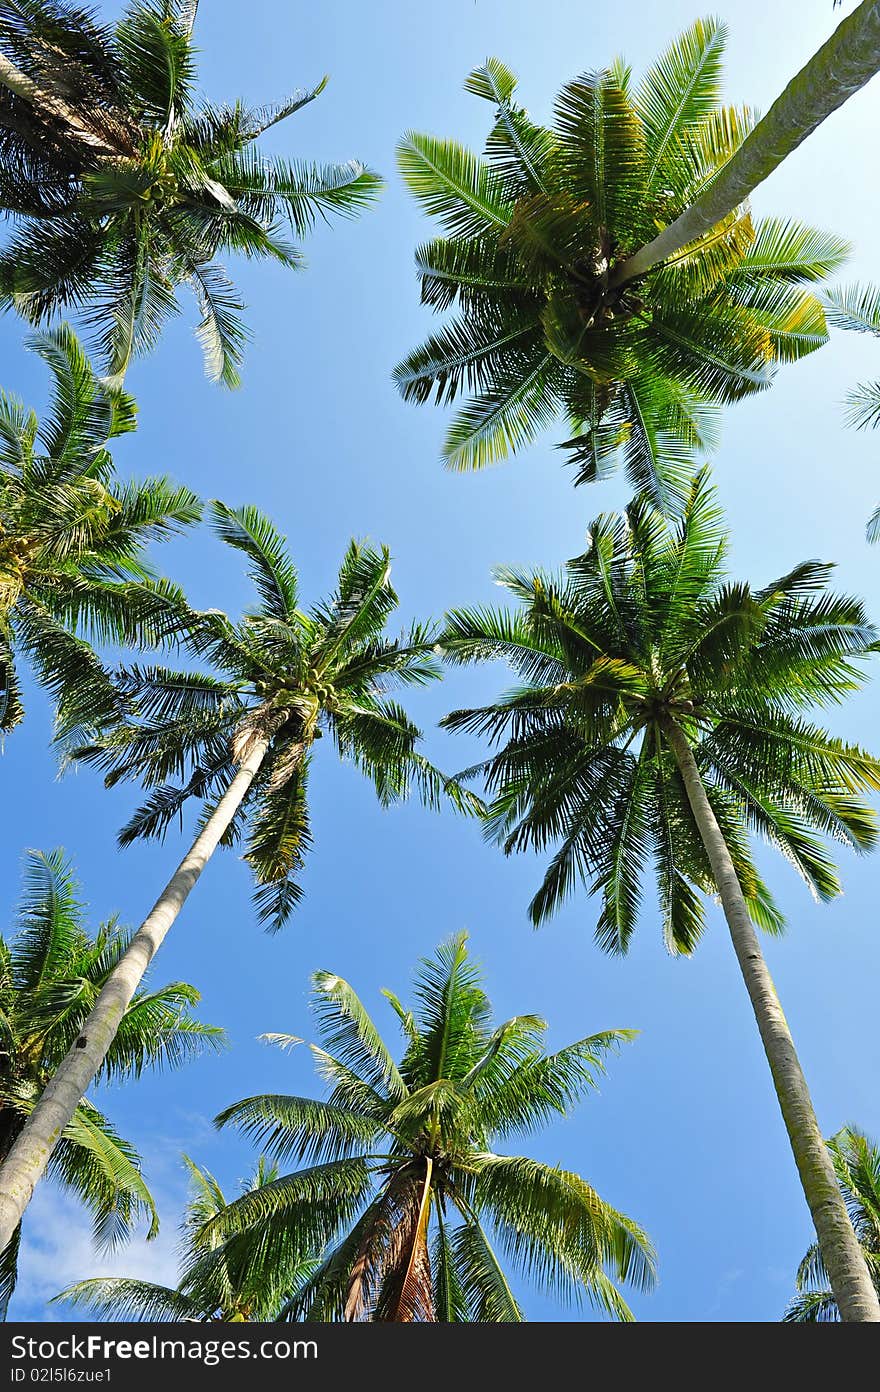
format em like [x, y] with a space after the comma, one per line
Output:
[57, 1250]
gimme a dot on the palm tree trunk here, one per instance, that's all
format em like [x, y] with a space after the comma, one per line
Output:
[23, 86]
[29, 1155]
[841, 1253]
[416, 1295]
[842, 66]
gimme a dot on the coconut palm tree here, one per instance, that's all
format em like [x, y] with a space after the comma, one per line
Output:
[857, 307]
[210, 1287]
[124, 184]
[240, 738]
[402, 1181]
[857, 1165]
[663, 715]
[51, 971]
[72, 537]
[559, 313]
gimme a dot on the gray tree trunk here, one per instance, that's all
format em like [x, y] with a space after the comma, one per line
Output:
[841, 1253]
[30, 1153]
[843, 65]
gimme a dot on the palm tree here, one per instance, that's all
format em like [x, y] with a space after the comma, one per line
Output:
[72, 537]
[857, 307]
[124, 184]
[402, 1182]
[662, 717]
[240, 738]
[209, 1286]
[857, 1165]
[51, 972]
[558, 311]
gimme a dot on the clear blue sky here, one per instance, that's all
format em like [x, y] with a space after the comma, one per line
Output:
[685, 1134]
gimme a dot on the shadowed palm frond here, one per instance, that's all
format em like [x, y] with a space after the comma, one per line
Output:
[123, 185]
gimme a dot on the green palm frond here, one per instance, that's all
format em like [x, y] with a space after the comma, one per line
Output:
[513, 408]
[49, 920]
[555, 1227]
[220, 330]
[863, 406]
[9, 1271]
[84, 413]
[153, 43]
[301, 191]
[271, 569]
[349, 1033]
[453, 185]
[74, 566]
[300, 1129]
[278, 840]
[518, 149]
[790, 251]
[601, 154]
[104, 1172]
[486, 1290]
[678, 92]
[123, 1298]
[315, 1202]
[855, 307]
[469, 271]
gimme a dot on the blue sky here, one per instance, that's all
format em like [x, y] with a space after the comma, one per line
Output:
[685, 1134]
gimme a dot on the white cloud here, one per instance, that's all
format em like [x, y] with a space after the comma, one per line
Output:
[57, 1250]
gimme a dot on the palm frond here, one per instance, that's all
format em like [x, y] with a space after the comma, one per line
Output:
[271, 570]
[678, 92]
[348, 1031]
[300, 1129]
[855, 307]
[453, 185]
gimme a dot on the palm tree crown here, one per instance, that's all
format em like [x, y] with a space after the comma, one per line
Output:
[210, 1287]
[642, 632]
[124, 184]
[286, 676]
[402, 1180]
[71, 537]
[857, 1164]
[534, 233]
[51, 972]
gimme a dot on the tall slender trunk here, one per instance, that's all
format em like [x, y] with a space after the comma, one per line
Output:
[29, 1155]
[841, 1253]
[843, 65]
[23, 86]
